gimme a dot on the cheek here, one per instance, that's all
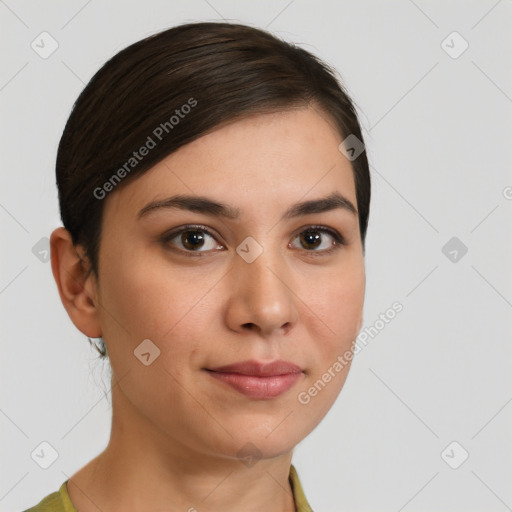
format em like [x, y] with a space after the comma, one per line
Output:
[336, 304]
[145, 300]
[149, 302]
[335, 313]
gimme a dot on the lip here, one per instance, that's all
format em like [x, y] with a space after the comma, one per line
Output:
[253, 367]
[258, 380]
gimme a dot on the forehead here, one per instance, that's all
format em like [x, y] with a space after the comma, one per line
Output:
[265, 160]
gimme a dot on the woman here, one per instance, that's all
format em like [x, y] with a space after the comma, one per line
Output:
[214, 192]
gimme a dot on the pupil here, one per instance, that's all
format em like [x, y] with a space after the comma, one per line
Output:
[311, 239]
[192, 239]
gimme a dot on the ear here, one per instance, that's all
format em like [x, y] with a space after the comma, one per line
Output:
[77, 290]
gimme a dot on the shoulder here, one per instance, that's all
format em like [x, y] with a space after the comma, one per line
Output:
[55, 502]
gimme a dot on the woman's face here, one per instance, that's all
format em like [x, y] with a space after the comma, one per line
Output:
[237, 270]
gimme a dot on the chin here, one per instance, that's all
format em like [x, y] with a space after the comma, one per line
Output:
[253, 444]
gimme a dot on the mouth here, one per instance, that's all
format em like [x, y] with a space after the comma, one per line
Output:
[258, 380]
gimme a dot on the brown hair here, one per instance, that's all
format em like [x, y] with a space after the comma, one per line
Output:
[169, 89]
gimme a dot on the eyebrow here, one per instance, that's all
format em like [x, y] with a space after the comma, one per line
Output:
[207, 206]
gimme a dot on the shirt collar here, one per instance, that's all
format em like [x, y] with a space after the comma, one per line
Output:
[301, 503]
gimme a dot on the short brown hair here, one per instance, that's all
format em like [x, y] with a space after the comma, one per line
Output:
[228, 70]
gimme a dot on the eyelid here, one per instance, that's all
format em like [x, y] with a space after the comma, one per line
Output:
[319, 227]
[339, 241]
[174, 232]
[169, 235]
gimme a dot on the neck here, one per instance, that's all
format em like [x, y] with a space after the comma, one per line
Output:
[144, 468]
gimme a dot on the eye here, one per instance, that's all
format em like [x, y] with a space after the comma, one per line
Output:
[192, 239]
[318, 239]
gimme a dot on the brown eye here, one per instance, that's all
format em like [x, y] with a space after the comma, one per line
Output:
[192, 239]
[310, 239]
[318, 240]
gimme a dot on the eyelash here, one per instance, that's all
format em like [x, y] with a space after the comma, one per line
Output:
[339, 240]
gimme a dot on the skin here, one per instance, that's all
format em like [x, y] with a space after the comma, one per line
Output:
[176, 431]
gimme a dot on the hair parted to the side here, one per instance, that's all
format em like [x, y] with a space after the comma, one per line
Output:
[171, 88]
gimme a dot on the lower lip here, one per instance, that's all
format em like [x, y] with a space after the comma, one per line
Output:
[258, 387]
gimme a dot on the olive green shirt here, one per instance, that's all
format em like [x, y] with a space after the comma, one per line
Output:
[60, 501]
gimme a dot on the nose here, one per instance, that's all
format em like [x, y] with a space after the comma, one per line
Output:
[261, 297]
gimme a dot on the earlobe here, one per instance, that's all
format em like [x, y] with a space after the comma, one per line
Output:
[77, 289]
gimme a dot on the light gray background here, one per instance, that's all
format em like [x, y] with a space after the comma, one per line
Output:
[438, 134]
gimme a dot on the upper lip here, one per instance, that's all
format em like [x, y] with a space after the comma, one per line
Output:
[258, 368]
